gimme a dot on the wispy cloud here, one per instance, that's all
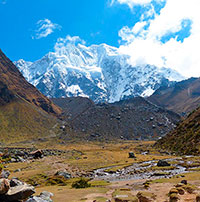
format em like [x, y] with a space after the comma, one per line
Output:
[62, 44]
[170, 37]
[131, 3]
[44, 28]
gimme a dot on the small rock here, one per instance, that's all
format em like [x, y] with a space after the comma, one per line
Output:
[184, 182]
[37, 154]
[4, 186]
[132, 155]
[43, 197]
[180, 190]
[17, 170]
[174, 197]
[64, 174]
[173, 191]
[5, 174]
[179, 185]
[162, 163]
[146, 196]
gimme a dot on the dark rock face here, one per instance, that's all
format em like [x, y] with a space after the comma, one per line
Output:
[162, 163]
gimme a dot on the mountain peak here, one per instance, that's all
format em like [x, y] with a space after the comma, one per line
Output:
[99, 72]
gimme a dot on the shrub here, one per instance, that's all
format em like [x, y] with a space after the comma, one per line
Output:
[82, 183]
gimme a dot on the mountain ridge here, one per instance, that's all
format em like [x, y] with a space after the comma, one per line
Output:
[99, 72]
[181, 97]
[16, 84]
[25, 114]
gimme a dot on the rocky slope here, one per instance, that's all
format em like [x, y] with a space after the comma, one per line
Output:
[135, 118]
[182, 97]
[25, 113]
[99, 72]
[185, 139]
[13, 84]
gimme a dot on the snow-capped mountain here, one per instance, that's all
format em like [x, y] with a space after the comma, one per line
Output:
[99, 72]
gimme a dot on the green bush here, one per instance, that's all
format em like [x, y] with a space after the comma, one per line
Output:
[82, 183]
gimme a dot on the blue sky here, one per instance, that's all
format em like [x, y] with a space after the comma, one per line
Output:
[156, 32]
[95, 21]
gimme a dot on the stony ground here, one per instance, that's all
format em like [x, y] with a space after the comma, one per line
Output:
[80, 160]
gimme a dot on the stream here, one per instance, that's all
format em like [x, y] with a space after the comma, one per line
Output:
[141, 170]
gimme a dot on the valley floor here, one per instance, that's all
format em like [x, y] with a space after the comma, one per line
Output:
[109, 168]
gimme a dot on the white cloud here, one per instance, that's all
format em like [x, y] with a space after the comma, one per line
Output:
[132, 3]
[62, 43]
[144, 40]
[44, 28]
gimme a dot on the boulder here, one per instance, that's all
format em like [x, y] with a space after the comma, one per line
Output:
[132, 155]
[146, 196]
[19, 193]
[64, 174]
[162, 163]
[37, 154]
[4, 186]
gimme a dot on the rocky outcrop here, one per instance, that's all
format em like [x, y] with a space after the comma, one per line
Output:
[15, 191]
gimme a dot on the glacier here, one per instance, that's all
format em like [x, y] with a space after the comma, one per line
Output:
[99, 72]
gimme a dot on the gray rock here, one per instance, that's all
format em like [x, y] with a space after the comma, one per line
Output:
[64, 174]
[43, 197]
[5, 174]
[19, 193]
[17, 170]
